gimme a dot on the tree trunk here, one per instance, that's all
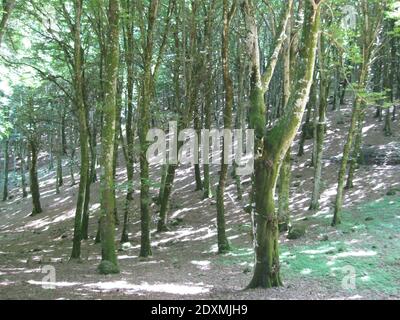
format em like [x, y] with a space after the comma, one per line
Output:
[266, 272]
[208, 94]
[320, 125]
[6, 9]
[166, 193]
[307, 124]
[37, 208]
[367, 39]
[144, 106]
[83, 133]
[284, 175]
[22, 171]
[6, 165]
[273, 145]
[223, 244]
[109, 262]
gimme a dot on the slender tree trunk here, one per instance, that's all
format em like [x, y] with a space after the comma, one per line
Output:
[60, 151]
[197, 127]
[223, 244]
[6, 165]
[109, 262]
[274, 144]
[166, 193]
[6, 9]
[208, 94]
[129, 58]
[320, 125]
[144, 106]
[284, 175]
[337, 219]
[37, 208]
[239, 117]
[71, 167]
[368, 40]
[83, 134]
[22, 171]
[307, 124]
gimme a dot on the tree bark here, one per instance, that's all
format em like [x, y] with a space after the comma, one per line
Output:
[109, 262]
[6, 165]
[320, 125]
[7, 8]
[37, 208]
[83, 132]
[273, 145]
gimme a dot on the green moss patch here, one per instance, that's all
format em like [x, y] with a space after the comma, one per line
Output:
[367, 243]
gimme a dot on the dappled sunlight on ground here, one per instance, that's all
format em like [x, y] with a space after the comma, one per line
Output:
[185, 262]
[127, 288]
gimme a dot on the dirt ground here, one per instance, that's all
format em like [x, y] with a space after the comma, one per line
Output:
[185, 264]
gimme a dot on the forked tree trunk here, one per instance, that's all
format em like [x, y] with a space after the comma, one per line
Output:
[320, 125]
[273, 145]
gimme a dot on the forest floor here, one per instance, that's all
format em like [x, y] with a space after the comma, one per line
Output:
[185, 264]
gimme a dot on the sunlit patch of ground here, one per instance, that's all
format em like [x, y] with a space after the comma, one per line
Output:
[185, 264]
[367, 246]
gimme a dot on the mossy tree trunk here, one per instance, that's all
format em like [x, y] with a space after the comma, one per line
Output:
[22, 170]
[321, 123]
[6, 10]
[83, 132]
[353, 162]
[166, 193]
[239, 121]
[34, 182]
[109, 262]
[144, 111]
[185, 110]
[285, 172]
[307, 123]
[273, 145]
[389, 80]
[284, 193]
[5, 170]
[223, 244]
[59, 173]
[129, 60]
[370, 31]
[208, 88]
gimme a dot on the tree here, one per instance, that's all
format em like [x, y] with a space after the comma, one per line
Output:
[320, 126]
[6, 159]
[109, 262]
[83, 135]
[228, 13]
[370, 30]
[273, 144]
[6, 10]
